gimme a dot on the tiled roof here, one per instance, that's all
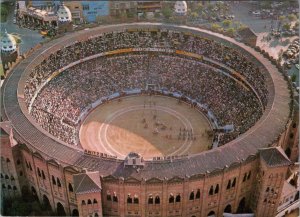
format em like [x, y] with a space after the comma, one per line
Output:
[274, 156]
[261, 135]
[246, 32]
[87, 183]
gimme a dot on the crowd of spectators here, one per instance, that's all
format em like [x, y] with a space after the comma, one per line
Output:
[59, 104]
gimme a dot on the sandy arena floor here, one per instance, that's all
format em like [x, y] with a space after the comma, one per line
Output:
[148, 125]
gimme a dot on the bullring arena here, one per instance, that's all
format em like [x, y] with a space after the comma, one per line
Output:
[148, 120]
[149, 125]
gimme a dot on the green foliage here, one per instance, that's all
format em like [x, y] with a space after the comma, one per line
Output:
[24, 207]
[231, 31]
[286, 26]
[292, 17]
[293, 77]
[167, 12]
[4, 9]
[199, 7]
[157, 15]
[216, 27]
[281, 18]
[227, 23]
[194, 15]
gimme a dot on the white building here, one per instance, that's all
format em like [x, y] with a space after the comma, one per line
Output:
[180, 8]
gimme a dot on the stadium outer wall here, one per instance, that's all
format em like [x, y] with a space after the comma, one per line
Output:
[72, 189]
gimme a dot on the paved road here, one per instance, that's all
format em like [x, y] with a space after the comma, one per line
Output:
[29, 37]
[273, 47]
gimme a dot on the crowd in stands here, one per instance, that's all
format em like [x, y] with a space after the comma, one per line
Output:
[60, 103]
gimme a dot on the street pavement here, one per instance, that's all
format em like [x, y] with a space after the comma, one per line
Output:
[262, 28]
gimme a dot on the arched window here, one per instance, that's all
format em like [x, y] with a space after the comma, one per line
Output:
[245, 177]
[14, 188]
[39, 172]
[12, 178]
[268, 189]
[108, 196]
[43, 175]
[2, 176]
[171, 198]
[211, 190]
[135, 199]
[9, 187]
[3, 186]
[228, 209]
[192, 195]
[249, 175]
[115, 198]
[233, 183]
[83, 202]
[129, 199]
[211, 213]
[150, 200]
[7, 160]
[157, 200]
[53, 180]
[21, 173]
[30, 166]
[229, 184]
[178, 198]
[96, 214]
[265, 200]
[58, 182]
[198, 194]
[70, 187]
[18, 162]
[89, 201]
[6, 177]
[95, 201]
[217, 189]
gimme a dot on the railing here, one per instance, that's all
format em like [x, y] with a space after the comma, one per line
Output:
[288, 208]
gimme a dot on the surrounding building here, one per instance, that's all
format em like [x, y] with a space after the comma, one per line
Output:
[123, 8]
[76, 11]
[9, 50]
[64, 17]
[148, 8]
[93, 11]
[248, 36]
[180, 8]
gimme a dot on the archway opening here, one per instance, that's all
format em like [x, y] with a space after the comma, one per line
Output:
[60, 210]
[228, 209]
[211, 214]
[242, 206]
[75, 212]
[46, 203]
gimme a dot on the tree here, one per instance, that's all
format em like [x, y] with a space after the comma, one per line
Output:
[286, 26]
[231, 31]
[292, 17]
[281, 18]
[199, 7]
[227, 23]
[216, 27]
[157, 15]
[293, 77]
[194, 15]
[167, 12]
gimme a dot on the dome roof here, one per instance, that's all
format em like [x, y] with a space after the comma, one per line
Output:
[180, 7]
[8, 42]
[64, 14]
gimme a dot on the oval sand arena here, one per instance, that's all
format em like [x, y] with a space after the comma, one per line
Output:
[153, 126]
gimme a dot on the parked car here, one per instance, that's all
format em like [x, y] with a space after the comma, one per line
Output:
[256, 13]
